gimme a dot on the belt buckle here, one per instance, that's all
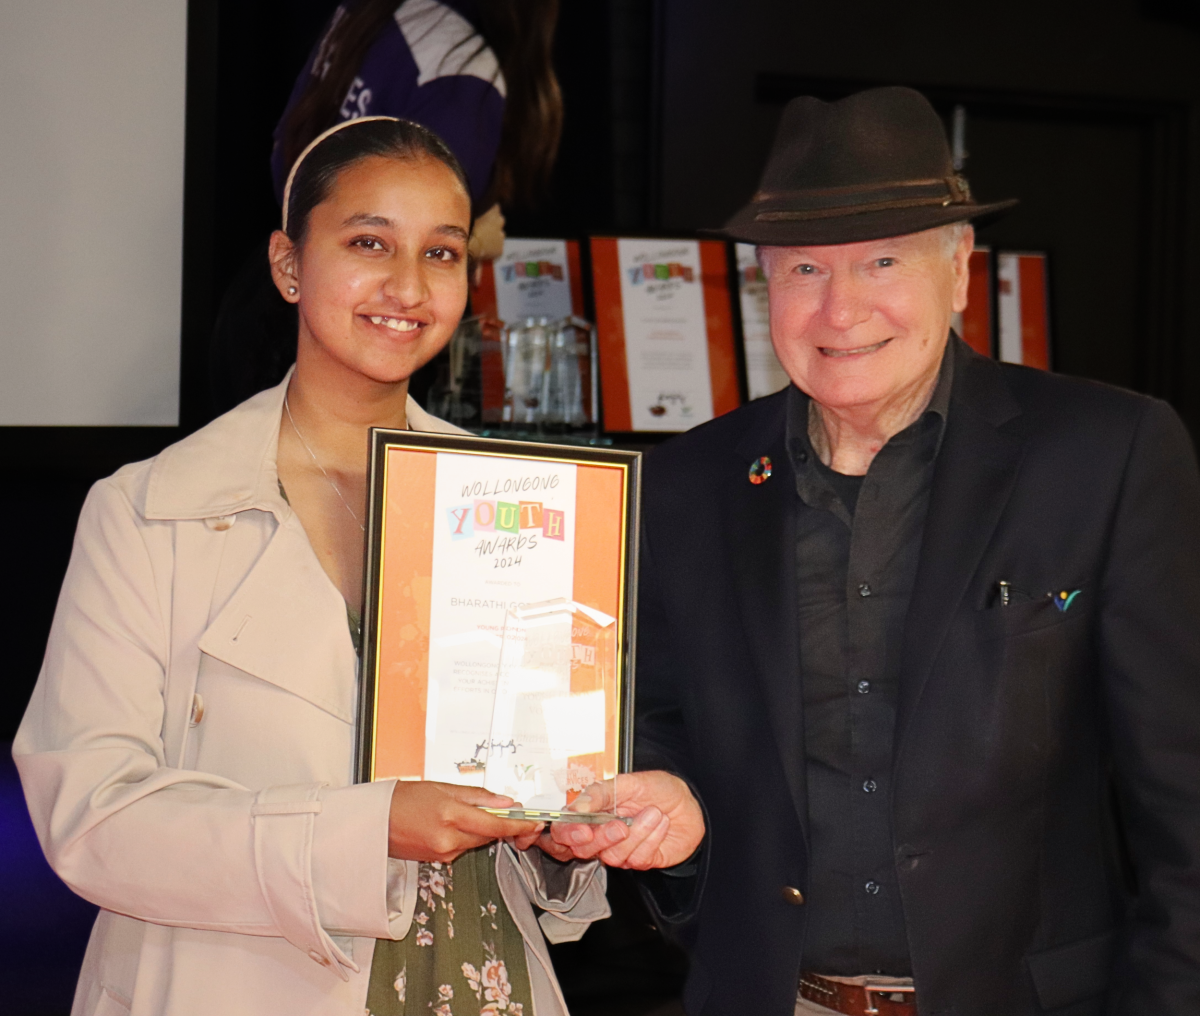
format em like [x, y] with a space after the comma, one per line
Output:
[871, 990]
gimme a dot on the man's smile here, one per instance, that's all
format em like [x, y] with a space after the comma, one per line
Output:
[860, 351]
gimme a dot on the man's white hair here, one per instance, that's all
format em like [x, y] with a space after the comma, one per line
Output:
[951, 236]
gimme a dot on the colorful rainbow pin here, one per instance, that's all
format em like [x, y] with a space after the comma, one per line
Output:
[760, 470]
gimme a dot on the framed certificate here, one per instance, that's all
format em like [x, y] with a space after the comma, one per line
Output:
[1023, 308]
[764, 373]
[498, 620]
[974, 325]
[531, 279]
[665, 326]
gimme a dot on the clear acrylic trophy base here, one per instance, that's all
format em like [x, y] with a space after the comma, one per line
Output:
[580, 817]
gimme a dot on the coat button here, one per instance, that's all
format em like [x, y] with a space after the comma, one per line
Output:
[792, 895]
[221, 522]
[197, 709]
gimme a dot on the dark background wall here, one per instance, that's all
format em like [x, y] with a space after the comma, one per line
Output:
[1086, 111]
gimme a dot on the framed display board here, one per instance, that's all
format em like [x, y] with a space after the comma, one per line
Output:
[498, 620]
[665, 327]
[1023, 308]
[764, 373]
[531, 279]
[974, 324]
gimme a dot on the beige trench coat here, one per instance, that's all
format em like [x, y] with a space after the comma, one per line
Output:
[187, 753]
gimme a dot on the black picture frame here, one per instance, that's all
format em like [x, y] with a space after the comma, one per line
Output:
[381, 441]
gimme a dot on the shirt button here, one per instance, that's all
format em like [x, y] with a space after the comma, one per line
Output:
[870, 786]
[792, 895]
[864, 590]
[864, 687]
[872, 888]
[803, 456]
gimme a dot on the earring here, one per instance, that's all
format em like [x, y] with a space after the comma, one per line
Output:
[292, 290]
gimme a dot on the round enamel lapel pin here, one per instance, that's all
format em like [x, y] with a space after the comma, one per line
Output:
[760, 470]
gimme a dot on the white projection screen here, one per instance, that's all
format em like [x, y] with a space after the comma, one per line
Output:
[91, 211]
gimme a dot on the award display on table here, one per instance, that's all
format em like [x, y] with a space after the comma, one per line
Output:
[665, 326]
[497, 622]
[524, 364]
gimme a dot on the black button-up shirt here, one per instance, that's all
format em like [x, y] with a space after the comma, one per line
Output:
[858, 541]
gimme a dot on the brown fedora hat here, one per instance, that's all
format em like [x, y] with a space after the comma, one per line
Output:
[872, 165]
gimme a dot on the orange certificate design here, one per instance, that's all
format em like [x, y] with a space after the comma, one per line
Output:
[665, 325]
[496, 643]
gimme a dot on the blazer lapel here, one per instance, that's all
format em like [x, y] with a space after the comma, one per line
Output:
[762, 543]
[977, 467]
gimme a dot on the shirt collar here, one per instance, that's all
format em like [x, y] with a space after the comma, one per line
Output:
[229, 465]
[939, 406]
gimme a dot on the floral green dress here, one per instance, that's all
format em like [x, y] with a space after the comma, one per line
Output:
[464, 953]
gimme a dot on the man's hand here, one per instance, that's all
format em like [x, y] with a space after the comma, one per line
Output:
[667, 824]
[439, 821]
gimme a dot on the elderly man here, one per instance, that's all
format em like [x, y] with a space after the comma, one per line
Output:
[921, 633]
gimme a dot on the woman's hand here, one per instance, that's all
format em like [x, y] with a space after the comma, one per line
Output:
[667, 824]
[439, 821]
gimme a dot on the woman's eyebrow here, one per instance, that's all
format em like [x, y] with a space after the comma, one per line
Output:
[366, 219]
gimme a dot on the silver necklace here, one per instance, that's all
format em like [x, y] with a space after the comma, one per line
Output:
[316, 462]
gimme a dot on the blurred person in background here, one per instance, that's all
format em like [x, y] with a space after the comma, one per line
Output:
[476, 72]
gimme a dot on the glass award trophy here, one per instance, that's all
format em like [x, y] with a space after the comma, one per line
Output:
[533, 377]
[555, 711]
[497, 643]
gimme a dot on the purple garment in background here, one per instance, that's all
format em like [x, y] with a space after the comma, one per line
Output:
[465, 109]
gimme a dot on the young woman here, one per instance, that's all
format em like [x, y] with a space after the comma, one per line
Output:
[187, 754]
[476, 72]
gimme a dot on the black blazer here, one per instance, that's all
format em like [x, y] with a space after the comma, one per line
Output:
[1015, 724]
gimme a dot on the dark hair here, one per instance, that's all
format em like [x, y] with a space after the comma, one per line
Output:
[519, 32]
[358, 140]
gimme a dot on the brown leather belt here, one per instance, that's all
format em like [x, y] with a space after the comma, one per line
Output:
[870, 999]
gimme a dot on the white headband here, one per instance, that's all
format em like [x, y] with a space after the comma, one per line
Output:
[287, 187]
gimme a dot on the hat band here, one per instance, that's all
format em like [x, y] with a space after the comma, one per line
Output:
[801, 215]
[831, 202]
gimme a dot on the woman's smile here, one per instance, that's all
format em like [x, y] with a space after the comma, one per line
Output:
[396, 324]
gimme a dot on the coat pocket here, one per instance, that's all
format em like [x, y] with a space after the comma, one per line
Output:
[1073, 972]
[1023, 616]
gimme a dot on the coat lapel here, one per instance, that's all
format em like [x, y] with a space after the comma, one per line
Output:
[977, 467]
[763, 542]
[286, 624]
